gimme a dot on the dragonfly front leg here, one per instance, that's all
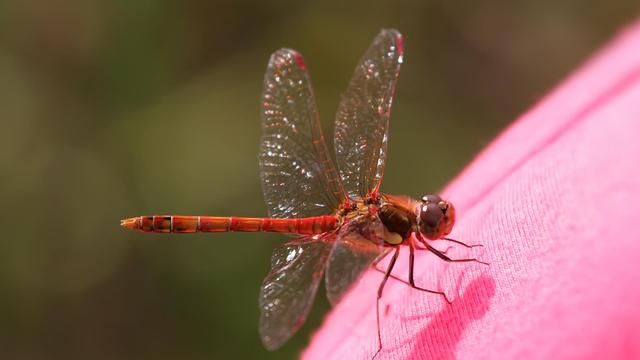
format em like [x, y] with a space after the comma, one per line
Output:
[442, 251]
[461, 243]
[442, 256]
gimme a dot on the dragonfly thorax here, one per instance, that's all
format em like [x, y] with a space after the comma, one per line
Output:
[397, 220]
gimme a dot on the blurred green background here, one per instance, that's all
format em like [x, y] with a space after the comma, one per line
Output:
[112, 109]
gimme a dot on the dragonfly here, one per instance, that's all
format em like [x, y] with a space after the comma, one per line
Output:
[342, 224]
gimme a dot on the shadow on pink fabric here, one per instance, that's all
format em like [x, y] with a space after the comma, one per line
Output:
[555, 200]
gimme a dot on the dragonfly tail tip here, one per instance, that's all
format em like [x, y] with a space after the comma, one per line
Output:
[131, 223]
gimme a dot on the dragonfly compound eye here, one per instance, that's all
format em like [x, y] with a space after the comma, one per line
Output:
[430, 198]
[436, 218]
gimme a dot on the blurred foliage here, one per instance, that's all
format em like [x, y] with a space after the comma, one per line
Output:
[111, 109]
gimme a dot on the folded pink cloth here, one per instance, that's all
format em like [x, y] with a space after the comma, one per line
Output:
[555, 200]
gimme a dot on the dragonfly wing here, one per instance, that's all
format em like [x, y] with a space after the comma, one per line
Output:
[362, 121]
[287, 293]
[298, 177]
[359, 243]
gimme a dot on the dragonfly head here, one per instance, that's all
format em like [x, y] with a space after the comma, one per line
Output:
[435, 217]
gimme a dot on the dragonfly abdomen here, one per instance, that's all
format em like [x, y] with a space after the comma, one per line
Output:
[192, 224]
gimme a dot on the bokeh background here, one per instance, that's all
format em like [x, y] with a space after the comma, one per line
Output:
[112, 109]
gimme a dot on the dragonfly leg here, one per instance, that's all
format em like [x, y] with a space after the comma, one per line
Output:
[392, 276]
[444, 257]
[442, 251]
[461, 243]
[387, 274]
[380, 258]
[412, 282]
[412, 286]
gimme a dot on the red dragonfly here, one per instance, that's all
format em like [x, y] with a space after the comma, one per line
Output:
[343, 224]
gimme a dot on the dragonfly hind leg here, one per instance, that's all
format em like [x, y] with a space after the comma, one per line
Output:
[387, 274]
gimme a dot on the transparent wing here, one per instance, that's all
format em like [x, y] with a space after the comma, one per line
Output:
[357, 245]
[287, 293]
[298, 177]
[362, 121]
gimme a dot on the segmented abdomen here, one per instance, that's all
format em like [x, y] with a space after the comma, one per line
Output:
[191, 224]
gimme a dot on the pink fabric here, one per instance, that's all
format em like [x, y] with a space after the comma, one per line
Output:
[556, 202]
